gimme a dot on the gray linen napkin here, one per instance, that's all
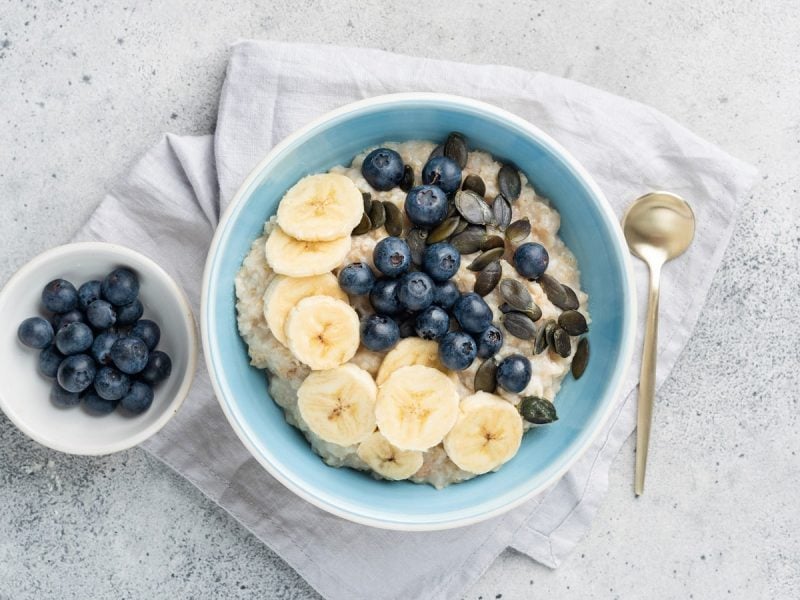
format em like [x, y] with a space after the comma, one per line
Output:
[168, 208]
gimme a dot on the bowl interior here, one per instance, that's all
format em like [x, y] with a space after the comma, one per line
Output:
[24, 394]
[588, 229]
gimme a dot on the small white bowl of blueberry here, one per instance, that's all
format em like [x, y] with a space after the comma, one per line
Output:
[98, 350]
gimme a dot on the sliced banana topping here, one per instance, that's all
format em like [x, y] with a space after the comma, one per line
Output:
[487, 434]
[321, 207]
[387, 460]
[322, 332]
[410, 351]
[297, 258]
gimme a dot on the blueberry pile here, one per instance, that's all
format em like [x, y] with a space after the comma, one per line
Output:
[96, 345]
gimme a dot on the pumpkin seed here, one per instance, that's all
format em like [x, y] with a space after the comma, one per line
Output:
[549, 329]
[407, 182]
[444, 230]
[537, 410]
[540, 343]
[519, 325]
[486, 376]
[377, 214]
[487, 279]
[416, 243]
[438, 151]
[408, 327]
[518, 230]
[516, 294]
[469, 240]
[367, 197]
[493, 241]
[484, 258]
[502, 212]
[554, 290]
[573, 322]
[561, 342]
[456, 148]
[534, 313]
[581, 358]
[394, 219]
[452, 211]
[474, 183]
[473, 207]
[363, 226]
[572, 298]
[462, 225]
[509, 183]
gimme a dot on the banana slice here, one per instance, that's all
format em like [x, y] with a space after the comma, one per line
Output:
[283, 293]
[410, 351]
[338, 405]
[297, 258]
[321, 208]
[487, 434]
[322, 332]
[416, 407]
[387, 460]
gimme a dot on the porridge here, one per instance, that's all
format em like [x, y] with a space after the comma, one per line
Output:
[415, 312]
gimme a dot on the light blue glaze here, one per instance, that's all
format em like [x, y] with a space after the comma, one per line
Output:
[587, 227]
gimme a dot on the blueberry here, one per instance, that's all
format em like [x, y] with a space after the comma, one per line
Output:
[129, 354]
[531, 260]
[472, 313]
[128, 314]
[88, 293]
[120, 287]
[35, 332]
[446, 294]
[426, 206]
[443, 172]
[514, 373]
[157, 369]
[384, 297]
[147, 331]
[110, 384]
[441, 261]
[59, 296]
[138, 399]
[101, 347]
[76, 373]
[490, 342]
[96, 405]
[392, 256]
[356, 279]
[415, 291]
[73, 338]
[73, 316]
[49, 359]
[432, 323]
[63, 398]
[379, 333]
[101, 315]
[457, 350]
[383, 169]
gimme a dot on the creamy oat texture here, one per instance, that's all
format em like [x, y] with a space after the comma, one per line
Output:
[285, 373]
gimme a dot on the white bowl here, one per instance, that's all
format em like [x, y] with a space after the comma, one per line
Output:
[24, 392]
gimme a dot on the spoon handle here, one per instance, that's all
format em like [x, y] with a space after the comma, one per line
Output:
[647, 380]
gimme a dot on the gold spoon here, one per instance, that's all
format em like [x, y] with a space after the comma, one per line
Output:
[658, 227]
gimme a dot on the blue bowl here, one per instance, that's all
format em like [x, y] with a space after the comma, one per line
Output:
[589, 228]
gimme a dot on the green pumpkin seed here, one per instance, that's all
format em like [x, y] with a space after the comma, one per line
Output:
[561, 342]
[518, 230]
[407, 182]
[484, 258]
[519, 325]
[572, 298]
[367, 197]
[516, 294]
[363, 226]
[502, 212]
[438, 151]
[553, 290]
[573, 322]
[537, 410]
[540, 343]
[462, 225]
[549, 329]
[509, 183]
[456, 148]
[487, 279]
[474, 183]
[473, 207]
[581, 358]
[444, 230]
[416, 243]
[394, 219]
[493, 241]
[486, 377]
[469, 240]
[377, 214]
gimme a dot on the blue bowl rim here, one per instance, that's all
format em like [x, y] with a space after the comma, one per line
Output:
[485, 509]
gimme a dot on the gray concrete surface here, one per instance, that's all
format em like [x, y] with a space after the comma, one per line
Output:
[85, 88]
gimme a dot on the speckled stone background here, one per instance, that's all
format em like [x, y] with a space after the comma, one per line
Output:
[87, 87]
